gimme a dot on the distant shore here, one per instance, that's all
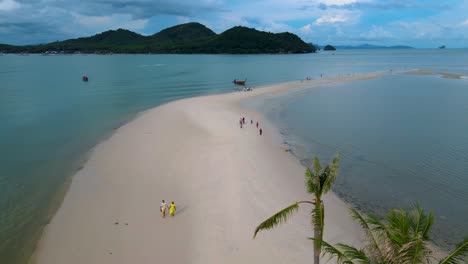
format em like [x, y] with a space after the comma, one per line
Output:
[224, 179]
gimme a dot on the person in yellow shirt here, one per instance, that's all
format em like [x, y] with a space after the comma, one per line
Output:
[172, 208]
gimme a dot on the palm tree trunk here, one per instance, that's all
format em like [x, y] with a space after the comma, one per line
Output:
[317, 247]
[317, 234]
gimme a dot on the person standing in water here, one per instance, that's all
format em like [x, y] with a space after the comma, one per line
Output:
[172, 208]
[163, 208]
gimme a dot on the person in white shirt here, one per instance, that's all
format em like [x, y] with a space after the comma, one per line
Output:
[163, 207]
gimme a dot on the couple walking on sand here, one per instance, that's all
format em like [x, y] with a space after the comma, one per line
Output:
[164, 207]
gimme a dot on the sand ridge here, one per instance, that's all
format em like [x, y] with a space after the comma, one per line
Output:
[225, 180]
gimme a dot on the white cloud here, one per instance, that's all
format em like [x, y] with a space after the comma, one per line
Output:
[339, 2]
[327, 19]
[306, 29]
[465, 23]
[8, 5]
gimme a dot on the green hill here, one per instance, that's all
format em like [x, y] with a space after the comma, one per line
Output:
[329, 47]
[249, 40]
[184, 39]
[181, 33]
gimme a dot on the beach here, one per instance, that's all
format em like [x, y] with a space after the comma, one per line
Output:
[224, 179]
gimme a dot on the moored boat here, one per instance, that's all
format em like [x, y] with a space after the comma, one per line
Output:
[84, 78]
[239, 82]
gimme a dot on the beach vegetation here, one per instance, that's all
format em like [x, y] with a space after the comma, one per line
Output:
[318, 181]
[402, 237]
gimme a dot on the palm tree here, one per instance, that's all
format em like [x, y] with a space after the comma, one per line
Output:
[318, 182]
[402, 238]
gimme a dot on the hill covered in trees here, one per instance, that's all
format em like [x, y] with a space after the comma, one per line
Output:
[181, 39]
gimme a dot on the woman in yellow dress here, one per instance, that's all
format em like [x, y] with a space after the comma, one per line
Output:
[172, 208]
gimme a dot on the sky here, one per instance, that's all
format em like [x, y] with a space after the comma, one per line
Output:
[417, 23]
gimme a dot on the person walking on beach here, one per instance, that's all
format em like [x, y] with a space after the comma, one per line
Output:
[172, 209]
[251, 121]
[261, 131]
[240, 123]
[257, 124]
[163, 208]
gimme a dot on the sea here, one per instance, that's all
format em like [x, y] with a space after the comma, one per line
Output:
[403, 138]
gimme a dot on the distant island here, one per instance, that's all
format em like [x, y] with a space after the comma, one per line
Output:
[329, 47]
[189, 38]
[369, 46]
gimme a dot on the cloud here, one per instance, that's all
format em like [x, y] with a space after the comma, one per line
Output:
[339, 2]
[40, 21]
[412, 22]
[8, 5]
[331, 19]
[384, 5]
[113, 21]
[376, 33]
[306, 29]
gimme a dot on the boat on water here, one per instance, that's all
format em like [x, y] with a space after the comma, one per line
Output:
[239, 82]
[84, 78]
[442, 47]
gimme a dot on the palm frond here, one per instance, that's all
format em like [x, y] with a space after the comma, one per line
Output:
[398, 228]
[422, 223]
[310, 182]
[277, 219]
[331, 173]
[353, 253]
[414, 252]
[344, 254]
[317, 166]
[369, 230]
[459, 255]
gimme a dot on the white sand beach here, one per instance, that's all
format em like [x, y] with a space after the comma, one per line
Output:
[225, 180]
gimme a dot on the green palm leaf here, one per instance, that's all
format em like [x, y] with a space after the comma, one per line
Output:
[311, 186]
[317, 166]
[341, 257]
[459, 255]
[369, 230]
[278, 218]
[344, 254]
[414, 252]
[331, 172]
[353, 253]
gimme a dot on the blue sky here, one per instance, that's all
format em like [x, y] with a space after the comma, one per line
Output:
[422, 24]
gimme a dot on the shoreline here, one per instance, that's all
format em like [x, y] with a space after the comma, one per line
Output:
[56, 230]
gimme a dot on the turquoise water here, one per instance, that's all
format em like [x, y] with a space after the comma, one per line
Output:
[50, 119]
[403, 139]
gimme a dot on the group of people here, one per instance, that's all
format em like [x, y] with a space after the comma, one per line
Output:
[242, 123]
[164, 207]
[245, 89]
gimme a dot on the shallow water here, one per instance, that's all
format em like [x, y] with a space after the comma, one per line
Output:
[403, 139]
[50, 119]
